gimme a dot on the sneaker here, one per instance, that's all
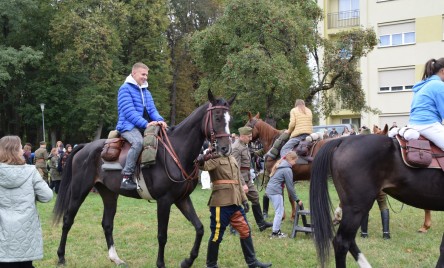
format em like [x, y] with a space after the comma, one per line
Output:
[127, 183]
[278, 234]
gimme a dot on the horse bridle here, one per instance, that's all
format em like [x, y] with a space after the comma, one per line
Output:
[209, 125]
[213, 138]
[252, 122]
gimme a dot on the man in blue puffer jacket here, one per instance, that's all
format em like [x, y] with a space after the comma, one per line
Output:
[137, 111]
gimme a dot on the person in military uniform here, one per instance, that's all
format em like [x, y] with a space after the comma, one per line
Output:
[242, 155]
[225, 207]
[40, 157]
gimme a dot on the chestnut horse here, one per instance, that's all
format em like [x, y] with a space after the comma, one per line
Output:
[267, 135]
[170, 181]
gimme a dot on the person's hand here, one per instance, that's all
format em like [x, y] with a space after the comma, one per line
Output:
[287, 131]
[300, 202]
[246, 206]
[162, 124]
[245, 187]
[152, 123]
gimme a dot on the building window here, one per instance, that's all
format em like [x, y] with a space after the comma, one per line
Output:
[397, 34]
[348, 8]
[396, 79]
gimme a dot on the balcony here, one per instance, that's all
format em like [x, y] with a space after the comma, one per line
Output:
[343, 19]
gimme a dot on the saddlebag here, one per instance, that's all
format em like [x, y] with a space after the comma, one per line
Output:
[418, 153]
[112, 149]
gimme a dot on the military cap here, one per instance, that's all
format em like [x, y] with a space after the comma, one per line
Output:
[245, 130]
[42, 143]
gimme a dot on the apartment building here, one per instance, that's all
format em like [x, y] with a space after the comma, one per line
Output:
[410, 33]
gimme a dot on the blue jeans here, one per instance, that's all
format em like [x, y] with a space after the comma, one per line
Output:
[291, 144]
[134, 137]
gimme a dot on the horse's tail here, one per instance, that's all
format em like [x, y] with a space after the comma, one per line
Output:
[320, 203]
[64, 193]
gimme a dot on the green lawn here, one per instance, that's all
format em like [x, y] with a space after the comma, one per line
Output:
[135, 236]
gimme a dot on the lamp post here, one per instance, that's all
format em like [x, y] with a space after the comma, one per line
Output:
[42, 106]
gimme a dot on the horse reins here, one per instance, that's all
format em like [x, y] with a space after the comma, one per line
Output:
[213, 138]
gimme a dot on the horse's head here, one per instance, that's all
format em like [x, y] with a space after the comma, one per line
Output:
[252, 120]
[379, 131]
[217, 124]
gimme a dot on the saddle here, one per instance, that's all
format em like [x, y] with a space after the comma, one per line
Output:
[421, 153]
[304, 150]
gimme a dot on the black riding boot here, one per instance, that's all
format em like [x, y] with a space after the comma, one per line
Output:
[261, 223]
[385, 217]
[250, 255]
[364, 227]
[212, 254]
[266, 204]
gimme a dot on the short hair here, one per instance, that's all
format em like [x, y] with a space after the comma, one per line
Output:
[10, 147]
[140, 65]
[68, 145]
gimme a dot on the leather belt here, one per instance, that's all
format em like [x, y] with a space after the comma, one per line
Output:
[245, 168]
[226, 182]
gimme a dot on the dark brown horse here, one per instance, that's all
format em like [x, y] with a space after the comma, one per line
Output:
[427, 213]
[170, 181]
[361, 166]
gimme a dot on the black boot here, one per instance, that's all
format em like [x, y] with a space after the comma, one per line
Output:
[212, 254]
[250, 255]
[385, 217]
[128, 183]
[364, 227]
[261, 223]
[266, 204]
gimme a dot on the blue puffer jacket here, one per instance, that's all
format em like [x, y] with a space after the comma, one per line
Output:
[130, 106]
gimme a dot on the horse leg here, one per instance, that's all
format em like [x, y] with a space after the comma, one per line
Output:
[79, 192]
[163, 217]
[427, 222]
[109, 199]
[344, 240]
[187, 209]
[440, 263]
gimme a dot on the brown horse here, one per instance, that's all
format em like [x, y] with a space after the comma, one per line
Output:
[267, 135]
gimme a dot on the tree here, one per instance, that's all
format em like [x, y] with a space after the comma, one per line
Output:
[185, 18]
[260, 50]
[338, 71]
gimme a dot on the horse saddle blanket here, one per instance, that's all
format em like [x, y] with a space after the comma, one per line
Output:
[421, 153]
[119, 150]
[116, 149]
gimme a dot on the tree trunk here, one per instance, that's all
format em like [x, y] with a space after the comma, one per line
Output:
[99, 131]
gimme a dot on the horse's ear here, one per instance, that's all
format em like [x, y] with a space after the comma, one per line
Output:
[231, 100]
[257, 115]
[249, 115]
[386, 128]
[210, 96]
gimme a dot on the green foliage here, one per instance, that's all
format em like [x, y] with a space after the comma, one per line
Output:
[257, 49]
[340, 71]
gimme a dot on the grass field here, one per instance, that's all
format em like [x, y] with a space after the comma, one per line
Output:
[135, 236]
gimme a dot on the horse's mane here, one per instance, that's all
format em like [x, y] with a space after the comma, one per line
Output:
[177, 127]
[267, 133]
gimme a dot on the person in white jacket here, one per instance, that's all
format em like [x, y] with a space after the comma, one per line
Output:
[21, 185]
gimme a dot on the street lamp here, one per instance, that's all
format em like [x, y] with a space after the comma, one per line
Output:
[42, 106]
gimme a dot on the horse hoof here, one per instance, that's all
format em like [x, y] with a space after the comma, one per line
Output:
[124, 265]
[61, 263]
[185, 264]
[423, 229]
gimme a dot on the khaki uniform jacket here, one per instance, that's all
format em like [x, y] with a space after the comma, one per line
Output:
[242, 155]
[224, 194]
[300, 123]
[40, 157]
